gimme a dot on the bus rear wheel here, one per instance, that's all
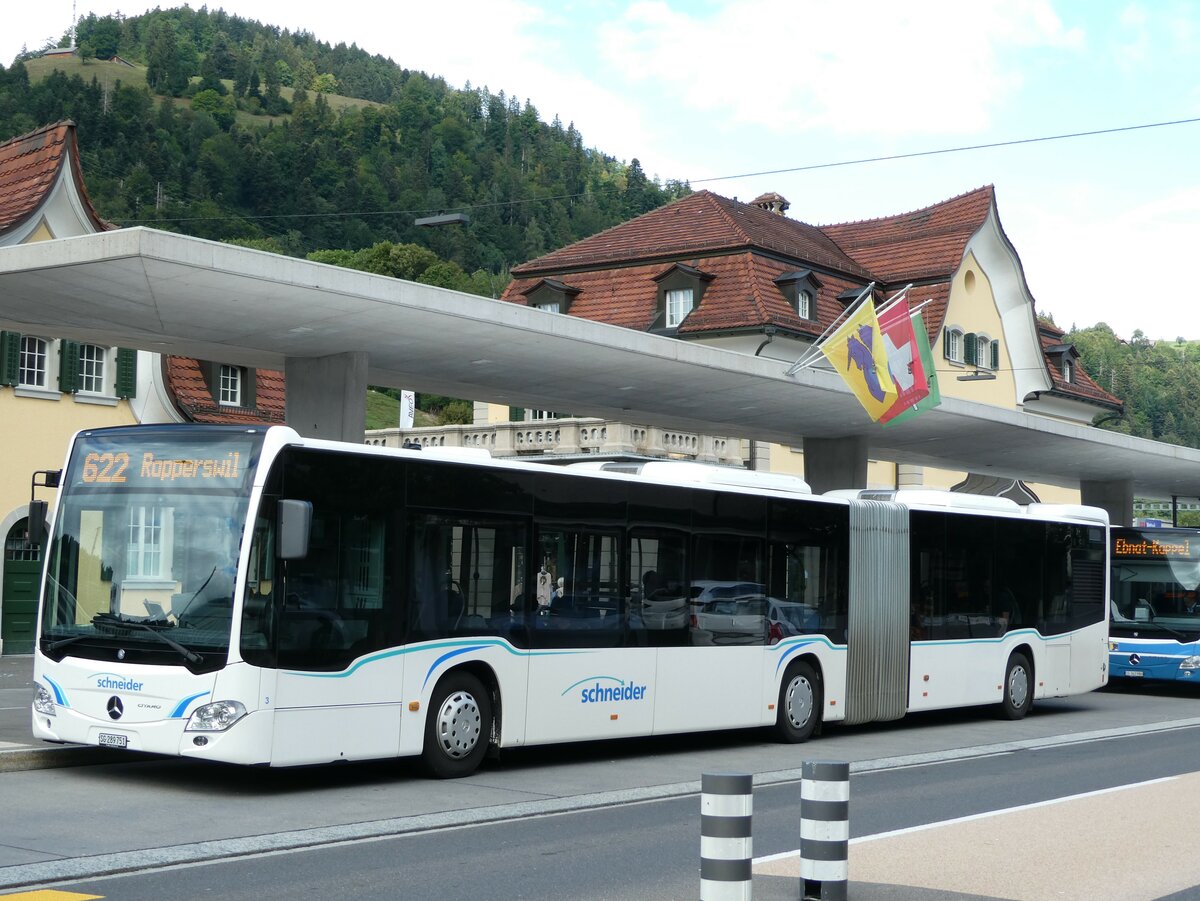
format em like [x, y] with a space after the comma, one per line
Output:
[799, 708]
[1018, 686]
[458, 727]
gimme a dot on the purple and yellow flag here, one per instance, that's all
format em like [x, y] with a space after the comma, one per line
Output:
[858, 354]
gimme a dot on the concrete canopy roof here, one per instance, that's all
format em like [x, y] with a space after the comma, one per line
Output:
[171, 293]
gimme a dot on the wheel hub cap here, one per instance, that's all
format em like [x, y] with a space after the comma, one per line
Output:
[459, 724]
[799, 704]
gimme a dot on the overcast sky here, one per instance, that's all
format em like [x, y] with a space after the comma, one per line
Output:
[1105, 225]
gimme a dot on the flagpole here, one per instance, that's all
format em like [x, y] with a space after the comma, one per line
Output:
[814, 352]
[893, 300]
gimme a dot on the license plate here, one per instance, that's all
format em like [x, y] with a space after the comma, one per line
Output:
[108, 740]
[1134, 672]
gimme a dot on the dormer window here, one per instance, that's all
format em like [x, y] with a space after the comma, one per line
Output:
[800, 289]
[1064, 357]
[679, 304]
[680, 290]
[1068, 371]
[551, 296]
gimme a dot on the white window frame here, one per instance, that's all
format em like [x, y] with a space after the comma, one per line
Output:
[1068, 370]
[230, 389]
[804, 301]
[35, 361]
[550, 306]
[983, 352]
[148, 543]
[93, 367]
[956, 345]
[678, 303]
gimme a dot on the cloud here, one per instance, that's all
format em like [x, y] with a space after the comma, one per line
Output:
[787, 65]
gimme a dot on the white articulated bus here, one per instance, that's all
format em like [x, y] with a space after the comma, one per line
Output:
[252, 596]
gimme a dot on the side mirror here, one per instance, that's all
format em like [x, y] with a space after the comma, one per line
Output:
[294, 527]
[37, 521]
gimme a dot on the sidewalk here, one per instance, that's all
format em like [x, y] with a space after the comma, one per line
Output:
[19, 750]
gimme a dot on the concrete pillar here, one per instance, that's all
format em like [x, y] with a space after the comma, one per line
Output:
[909, 475]
[831, 463]
[1116, 497]
[327, 396]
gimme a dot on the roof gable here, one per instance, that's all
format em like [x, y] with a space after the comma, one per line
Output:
[31, 165]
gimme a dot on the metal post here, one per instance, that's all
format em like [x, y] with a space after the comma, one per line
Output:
[726, 847]
[824, 830]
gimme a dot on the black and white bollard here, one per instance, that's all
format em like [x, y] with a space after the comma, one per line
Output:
[824, 830]
[726, 848]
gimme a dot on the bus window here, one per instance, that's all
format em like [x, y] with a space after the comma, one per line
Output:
[657, 597]
[466, 577]
[584, 574]
[727, 596]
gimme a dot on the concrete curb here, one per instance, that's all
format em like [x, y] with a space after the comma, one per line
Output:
[17, 760]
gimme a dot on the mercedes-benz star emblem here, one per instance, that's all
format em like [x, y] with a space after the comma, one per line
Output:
[115, 707]
[121, 654]
[1135, 659]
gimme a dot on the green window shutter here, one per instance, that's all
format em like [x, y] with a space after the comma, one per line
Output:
[10, 358]
[970, 352]
[249, 388]
[995, 355]
[946, 343]
[126, 372]
[516, 414]
[68, 367]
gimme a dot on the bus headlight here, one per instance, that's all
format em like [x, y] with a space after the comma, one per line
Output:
[43, 701]
[1190, 663]
[216, 717]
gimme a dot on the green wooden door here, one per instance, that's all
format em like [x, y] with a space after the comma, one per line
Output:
[22, 570]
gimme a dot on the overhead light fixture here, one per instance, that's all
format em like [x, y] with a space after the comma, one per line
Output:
[443, 219]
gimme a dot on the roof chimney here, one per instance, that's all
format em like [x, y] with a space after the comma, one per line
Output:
[771, 202]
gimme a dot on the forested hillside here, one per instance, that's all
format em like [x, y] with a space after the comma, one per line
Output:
[233, 130]
[1159, 382]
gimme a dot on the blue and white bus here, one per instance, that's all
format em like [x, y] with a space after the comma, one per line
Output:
[1155, 632]
[253, 596]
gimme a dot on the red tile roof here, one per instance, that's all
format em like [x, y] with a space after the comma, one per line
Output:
[697, 225]
[30, 165]
[1082, 386]
[185, 380]
[926, 243]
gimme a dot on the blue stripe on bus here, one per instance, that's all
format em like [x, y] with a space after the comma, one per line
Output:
[177, 713]
[790, 646]
[60, 697]
[465, 645]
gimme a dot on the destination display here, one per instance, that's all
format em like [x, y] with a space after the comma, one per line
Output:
[1145, 546]
[129, 460]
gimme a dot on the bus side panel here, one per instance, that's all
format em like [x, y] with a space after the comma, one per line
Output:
[710, 688]
[1089, 658]
[591, 693]
[955, 674]
[349, 715]
[428, 663]
[831, 671]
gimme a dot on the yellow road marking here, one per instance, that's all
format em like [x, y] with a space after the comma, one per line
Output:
[46, 894]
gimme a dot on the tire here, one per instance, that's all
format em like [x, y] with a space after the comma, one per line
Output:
[1018, 687]
[799, 709]
[458, 727]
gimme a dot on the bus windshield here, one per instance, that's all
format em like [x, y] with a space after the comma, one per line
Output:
[1156, 580]
[144, 550]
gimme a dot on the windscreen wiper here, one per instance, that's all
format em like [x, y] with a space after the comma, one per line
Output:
[110, 619]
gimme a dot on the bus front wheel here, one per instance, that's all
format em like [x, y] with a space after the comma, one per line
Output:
[799, 704]
[458, 727]
[1018, 686]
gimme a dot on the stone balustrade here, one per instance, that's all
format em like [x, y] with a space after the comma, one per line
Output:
[570, 436]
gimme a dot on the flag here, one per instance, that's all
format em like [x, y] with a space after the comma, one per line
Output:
[857, 353]
[408, 405]
[935, 395]
[904, 359]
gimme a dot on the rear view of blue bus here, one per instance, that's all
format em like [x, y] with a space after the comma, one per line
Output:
[1155, 629]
